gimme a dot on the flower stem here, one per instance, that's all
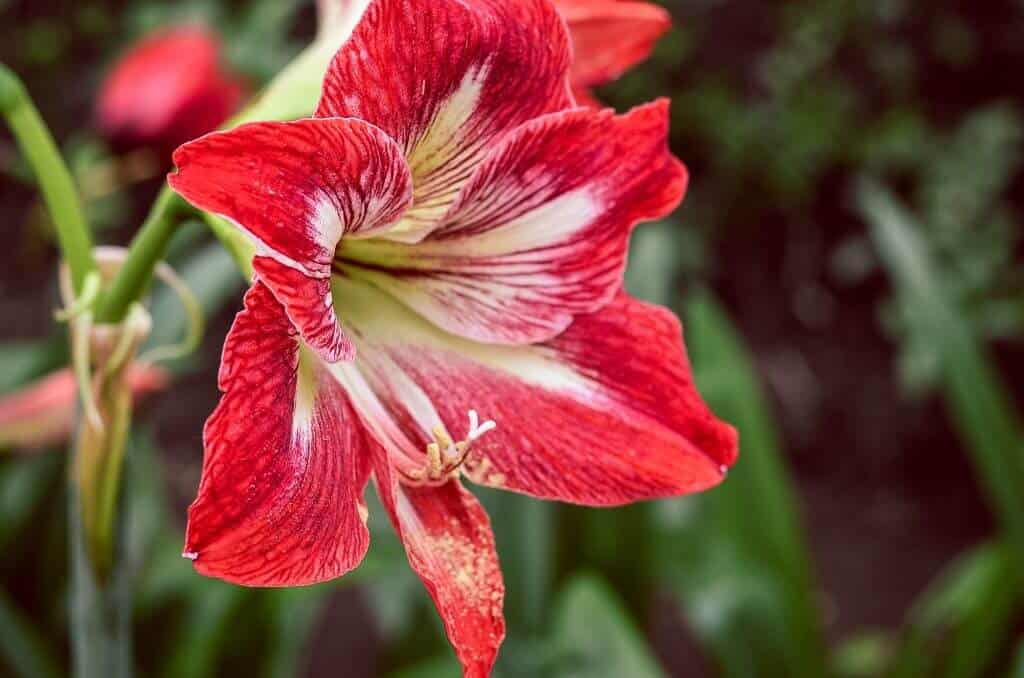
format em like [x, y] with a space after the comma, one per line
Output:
[100, 601]
[146, 250]
[54, 179]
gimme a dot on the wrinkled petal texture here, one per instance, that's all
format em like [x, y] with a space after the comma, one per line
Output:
[169, 88]
[296, 188]
[491, 66]
[281, 497]
[604, 414]
[540, 232]
[610, 36]
[449, 542]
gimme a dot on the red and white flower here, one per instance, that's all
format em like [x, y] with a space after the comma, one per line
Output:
[445, 237]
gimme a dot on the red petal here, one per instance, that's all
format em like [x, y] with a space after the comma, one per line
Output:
[445, 79]
[448, 539]
[610, 36]
[167, 89]
[280, 502]
[539, 234]
[584, 97]
[605, 414]
[296, 188]
[309, 305]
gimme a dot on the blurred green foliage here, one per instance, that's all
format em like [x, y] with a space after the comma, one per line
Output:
[781, 110]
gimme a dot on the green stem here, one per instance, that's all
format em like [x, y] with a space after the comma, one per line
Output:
[101, 639]
[146, 250]
[54, 179]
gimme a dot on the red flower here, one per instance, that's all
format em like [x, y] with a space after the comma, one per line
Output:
[469, 228]
[608, 38]
[167, 89]
[41, 413]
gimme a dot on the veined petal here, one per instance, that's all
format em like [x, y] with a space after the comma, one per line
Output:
[308, 303]
[610, 36]
[296, 188]
[449, 542]
[539, 234]
[281, 497]
[604, 414]
[490, 67]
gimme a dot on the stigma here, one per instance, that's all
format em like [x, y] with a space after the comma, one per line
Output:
[446, 456]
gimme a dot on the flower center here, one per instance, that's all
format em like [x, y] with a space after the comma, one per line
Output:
[445, 456]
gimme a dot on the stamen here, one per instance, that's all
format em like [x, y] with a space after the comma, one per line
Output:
[445, 456]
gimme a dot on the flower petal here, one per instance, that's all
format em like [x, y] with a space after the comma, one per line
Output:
[296, 188]
[605, 414]
[445, 79]
[540, 232]
[450, 545]
[610, 36]
[309, 305]
[280, 502]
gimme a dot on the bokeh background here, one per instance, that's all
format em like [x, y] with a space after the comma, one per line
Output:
[850, 272]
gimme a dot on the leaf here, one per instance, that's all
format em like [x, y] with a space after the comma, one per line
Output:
[23, 361]
[963, 620]
[524, 528]
[205, 629]
[21, 648]
[979, 401]
[292, 613]
[24, 483]
[759, 569]
[596, 638]
[440, 667]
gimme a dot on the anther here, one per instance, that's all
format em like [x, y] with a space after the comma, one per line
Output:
[445, 456]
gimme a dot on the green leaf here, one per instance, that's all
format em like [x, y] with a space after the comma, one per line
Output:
[21, 648]
[964, 620]
[525, 531]
[439, 667]
[292, 614]
[596, 638]
[980, 403]
[25, 482]
[760, 568]
[23, 361]
[206, 628]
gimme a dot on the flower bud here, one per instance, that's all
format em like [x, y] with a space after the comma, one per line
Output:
[41, 414]
[167, 89]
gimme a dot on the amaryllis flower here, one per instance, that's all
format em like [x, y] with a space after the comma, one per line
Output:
[169, 88]
[609, 37]
[437, 296]
[42, 413]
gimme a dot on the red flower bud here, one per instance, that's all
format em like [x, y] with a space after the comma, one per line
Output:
[167, 89]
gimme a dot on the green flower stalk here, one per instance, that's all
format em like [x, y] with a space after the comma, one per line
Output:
[55, 182]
